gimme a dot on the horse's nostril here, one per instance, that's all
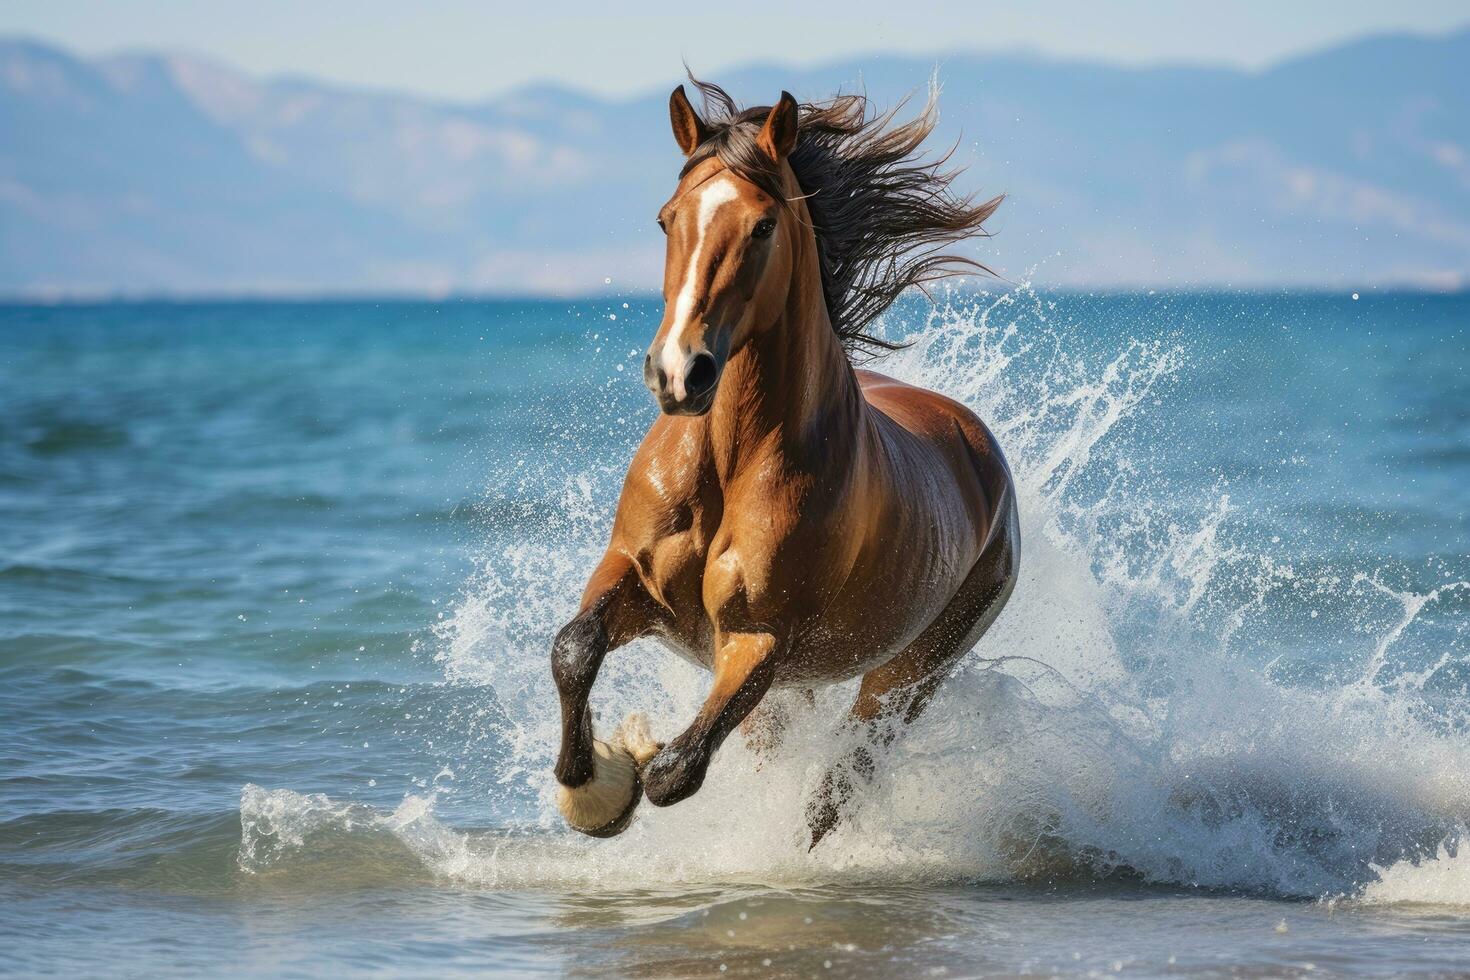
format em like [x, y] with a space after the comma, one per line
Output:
[700, 377]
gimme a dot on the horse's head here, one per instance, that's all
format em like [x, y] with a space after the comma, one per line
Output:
[728, 264]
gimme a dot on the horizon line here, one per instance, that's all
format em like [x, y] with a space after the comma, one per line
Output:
[21, 301]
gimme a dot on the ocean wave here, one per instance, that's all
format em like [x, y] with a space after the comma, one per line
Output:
[59, 437]
[68, 578]
[1128, 717]
[143, 846]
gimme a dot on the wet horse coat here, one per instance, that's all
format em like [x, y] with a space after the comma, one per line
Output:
[789, 520]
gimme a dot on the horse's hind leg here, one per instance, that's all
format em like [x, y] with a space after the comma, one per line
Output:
[614, 611]
[897, 692]
[764, 729]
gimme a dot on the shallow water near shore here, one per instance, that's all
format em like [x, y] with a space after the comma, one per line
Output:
[277, 583]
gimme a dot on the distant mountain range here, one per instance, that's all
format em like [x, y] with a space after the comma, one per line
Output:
[166, 174]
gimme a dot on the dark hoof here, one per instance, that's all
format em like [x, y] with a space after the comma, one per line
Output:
[672, 776]
[821, 817]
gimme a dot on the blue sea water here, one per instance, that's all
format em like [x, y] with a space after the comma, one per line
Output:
[277, 583]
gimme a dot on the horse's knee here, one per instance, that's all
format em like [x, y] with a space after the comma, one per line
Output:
[576, 654]
[675, 774]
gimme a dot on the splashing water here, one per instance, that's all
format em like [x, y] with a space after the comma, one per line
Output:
[1137, 710]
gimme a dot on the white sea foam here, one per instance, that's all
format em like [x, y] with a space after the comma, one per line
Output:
[1443, 879]
[1119, 717]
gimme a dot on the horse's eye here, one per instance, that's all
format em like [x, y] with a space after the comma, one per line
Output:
[763, 228]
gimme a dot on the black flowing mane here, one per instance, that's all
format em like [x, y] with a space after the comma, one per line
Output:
[882, 215]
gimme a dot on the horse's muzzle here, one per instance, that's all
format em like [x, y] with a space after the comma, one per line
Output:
[691, 394]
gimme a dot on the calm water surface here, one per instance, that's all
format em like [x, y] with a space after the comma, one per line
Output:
[277, 583]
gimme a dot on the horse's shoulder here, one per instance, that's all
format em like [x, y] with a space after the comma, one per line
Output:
[661, 489]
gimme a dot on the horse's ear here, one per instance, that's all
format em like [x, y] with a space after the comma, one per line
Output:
[689, 129]
[778, 135]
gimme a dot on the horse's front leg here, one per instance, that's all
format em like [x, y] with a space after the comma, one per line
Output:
[599, 784]
[744, 668]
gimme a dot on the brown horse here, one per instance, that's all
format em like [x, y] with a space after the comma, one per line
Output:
[790, 520]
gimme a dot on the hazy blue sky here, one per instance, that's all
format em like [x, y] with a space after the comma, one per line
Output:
[466, 50]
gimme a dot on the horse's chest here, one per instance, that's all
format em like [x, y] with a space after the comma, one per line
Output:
[841, 607]
[832, 630]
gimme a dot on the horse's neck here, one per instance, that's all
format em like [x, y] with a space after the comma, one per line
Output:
[789, 396]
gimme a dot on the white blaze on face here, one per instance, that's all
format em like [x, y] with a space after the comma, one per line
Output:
[712, 196]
